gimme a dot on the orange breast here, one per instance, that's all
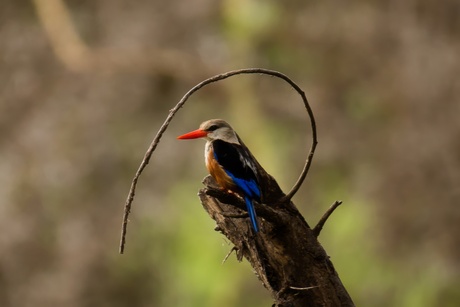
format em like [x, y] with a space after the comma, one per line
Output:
[218, 173]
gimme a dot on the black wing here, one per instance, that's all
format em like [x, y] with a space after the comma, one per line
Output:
[235, 159]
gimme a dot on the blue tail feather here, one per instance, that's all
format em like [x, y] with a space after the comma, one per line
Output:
[250, 191]
[252, 213]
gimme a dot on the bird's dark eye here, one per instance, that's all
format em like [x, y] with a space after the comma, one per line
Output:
[212, 128]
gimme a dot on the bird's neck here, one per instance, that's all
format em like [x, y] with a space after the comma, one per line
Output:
[229, 137]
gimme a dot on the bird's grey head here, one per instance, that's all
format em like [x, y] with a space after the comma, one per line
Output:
[219, 129]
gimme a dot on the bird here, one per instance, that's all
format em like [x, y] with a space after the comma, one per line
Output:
[230, 162]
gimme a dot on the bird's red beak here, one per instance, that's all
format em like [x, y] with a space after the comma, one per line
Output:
[193, 135]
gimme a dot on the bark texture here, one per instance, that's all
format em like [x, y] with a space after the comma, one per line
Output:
[285, 254]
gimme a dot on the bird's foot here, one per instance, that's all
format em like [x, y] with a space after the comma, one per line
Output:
[234, 215]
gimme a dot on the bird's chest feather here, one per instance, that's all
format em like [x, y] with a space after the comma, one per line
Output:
[216, 170]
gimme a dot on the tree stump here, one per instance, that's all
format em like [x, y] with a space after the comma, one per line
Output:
[285, 254]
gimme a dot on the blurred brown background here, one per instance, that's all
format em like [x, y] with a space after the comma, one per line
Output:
[84, 86]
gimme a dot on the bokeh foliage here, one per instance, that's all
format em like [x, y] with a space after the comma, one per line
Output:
[85, 84]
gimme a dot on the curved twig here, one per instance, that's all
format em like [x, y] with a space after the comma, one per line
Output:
[314, 142]
[181, 103]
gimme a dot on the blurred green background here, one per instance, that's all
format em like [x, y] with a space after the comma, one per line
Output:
[85, 84]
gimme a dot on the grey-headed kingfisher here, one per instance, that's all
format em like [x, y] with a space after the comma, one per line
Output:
[229, 162]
